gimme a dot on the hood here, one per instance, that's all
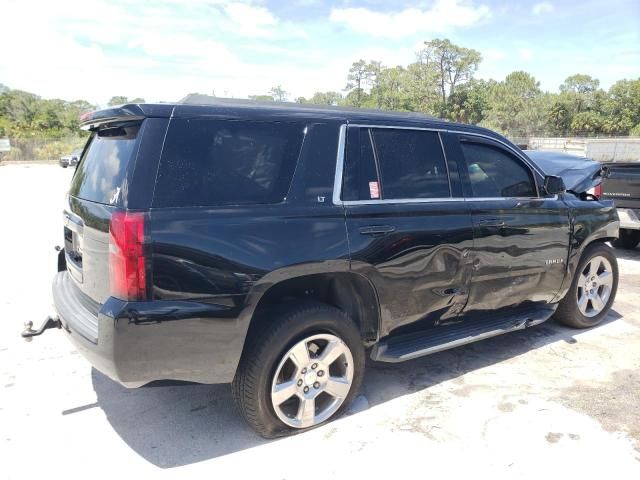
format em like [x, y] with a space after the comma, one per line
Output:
[578, 173]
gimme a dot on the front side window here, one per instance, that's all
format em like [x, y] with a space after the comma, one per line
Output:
[494, 173]
[209, 162]
[411, 164]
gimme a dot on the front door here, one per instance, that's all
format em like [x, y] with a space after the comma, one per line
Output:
[409, 228]
[521, 237]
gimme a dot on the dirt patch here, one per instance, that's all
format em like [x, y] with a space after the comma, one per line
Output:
[615, 404]
[553, 437]
[506, 407]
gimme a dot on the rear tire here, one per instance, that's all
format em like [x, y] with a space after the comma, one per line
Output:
[280, 389]
[628, 239]
[592, 290]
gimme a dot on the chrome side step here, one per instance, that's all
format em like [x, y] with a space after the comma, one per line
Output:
[417, 344]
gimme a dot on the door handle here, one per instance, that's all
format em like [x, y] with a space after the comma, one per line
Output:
[492, 222]
[377, 230]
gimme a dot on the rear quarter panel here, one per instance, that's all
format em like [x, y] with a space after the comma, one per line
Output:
[228, 257]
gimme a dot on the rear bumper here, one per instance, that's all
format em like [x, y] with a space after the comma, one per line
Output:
[629, 218]
[135, 343]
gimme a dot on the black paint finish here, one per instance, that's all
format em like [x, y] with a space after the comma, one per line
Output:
[429, 264]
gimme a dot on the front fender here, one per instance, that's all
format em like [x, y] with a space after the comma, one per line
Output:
[591, 221]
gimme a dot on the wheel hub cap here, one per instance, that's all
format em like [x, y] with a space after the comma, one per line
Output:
[310, 378]
[594, 286]
[312, 381]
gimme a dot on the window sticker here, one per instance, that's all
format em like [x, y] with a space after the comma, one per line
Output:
[374, 190]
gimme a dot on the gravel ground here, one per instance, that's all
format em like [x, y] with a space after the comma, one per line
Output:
[548, 401]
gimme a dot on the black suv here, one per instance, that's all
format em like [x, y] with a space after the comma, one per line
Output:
[271, 246]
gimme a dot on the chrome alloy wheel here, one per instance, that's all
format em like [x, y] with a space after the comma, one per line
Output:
[312, 380]
[594, 286]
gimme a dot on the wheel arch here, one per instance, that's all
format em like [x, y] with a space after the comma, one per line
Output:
[598, 236]
[348, 291]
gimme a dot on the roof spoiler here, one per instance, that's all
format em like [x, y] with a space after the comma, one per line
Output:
[91, 120]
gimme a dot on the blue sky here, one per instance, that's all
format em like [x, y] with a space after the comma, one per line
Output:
[164, 49]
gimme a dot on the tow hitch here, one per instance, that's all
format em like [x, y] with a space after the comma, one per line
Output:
[28, 333]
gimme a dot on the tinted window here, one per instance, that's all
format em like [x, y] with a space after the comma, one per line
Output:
[215, 162]
[495, 173]
[360, 180]
[101, 172]
[411, 164]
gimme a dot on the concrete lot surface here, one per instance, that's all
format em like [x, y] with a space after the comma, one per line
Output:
[549, 402]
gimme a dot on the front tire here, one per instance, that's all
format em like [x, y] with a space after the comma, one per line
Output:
[301, 368]
[628, 239]
[592, 290]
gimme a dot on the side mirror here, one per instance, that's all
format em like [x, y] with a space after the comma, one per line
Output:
[553, 185]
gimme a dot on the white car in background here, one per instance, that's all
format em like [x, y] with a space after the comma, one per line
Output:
[72, 159]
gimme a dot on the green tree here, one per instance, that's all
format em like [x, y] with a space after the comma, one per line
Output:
[118, 100]
[18, 109]
[261, 98]
[559, 117]
[355, 82]
[454, 64]
[361, 77]
[621, 107]
[325, 98]
[580, 83]
[423, 86]
[470, 102]
[3, 88]
[278, 94]
[586, 123]
[517, 106]
[390, 91]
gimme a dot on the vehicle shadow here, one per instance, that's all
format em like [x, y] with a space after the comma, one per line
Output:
[172, 425]
[628, 254]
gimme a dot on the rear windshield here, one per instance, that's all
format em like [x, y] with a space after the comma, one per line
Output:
[208, 162]
[101, 171]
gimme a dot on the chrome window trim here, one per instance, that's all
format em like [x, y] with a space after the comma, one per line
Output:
[442, 200]
[446, 163]
[403, 201]
[337, 184]
[337, 179]
[376, 161]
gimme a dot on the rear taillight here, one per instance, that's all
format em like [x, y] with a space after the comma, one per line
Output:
[596, 191]
[127, 268]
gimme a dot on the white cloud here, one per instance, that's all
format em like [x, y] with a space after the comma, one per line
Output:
[525, 53]
[251, 21]
[94, 49]
[443, 16]
[493, 54]
[542, 7]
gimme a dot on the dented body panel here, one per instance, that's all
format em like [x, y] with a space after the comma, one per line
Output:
[424, 265]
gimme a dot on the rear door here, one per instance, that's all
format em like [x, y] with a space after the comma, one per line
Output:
[521, 238]
[408, 226]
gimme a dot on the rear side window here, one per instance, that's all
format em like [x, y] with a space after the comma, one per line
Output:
[215, 162]
[411, 164]
[360, 178]
[495, 173]
[102, 170]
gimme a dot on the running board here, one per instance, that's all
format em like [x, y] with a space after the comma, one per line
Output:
[417, 344]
